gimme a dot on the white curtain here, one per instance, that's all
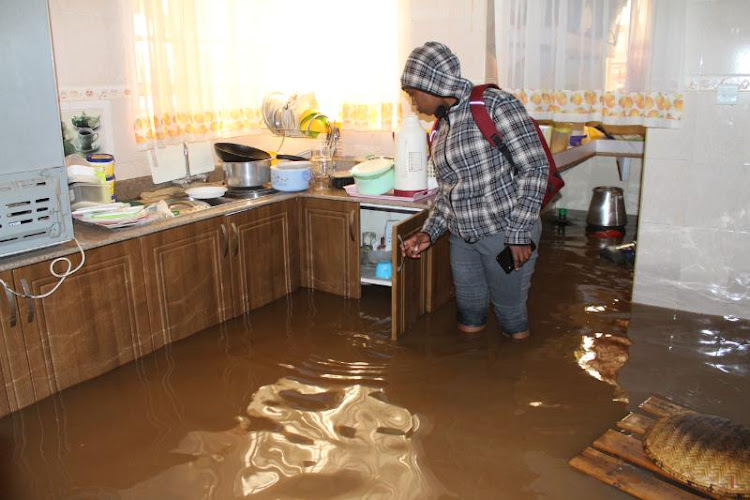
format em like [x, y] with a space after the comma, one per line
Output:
[611, 61]
[203, 67]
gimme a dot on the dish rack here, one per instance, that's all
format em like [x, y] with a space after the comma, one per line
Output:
[281, 114]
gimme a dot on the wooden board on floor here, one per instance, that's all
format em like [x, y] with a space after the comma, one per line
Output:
[618, 459]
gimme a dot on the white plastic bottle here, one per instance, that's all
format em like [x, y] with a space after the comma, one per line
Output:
[411, 158]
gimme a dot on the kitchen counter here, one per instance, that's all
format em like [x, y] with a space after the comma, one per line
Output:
[90, 236]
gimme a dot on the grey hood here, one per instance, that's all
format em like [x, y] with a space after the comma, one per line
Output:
[434, 69]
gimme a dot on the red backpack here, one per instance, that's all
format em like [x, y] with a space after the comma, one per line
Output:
[483, 120]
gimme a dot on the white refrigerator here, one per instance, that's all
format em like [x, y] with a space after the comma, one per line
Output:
[34, 198]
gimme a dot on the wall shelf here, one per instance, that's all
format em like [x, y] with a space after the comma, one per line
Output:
[579, 154]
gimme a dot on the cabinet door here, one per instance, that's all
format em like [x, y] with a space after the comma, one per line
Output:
[330, 246]
[188, 281]
[16, 390]
[408, 292]
[94, 322]
[265, 263]
[439, 288]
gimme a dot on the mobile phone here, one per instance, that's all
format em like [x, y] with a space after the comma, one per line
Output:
[505, 258]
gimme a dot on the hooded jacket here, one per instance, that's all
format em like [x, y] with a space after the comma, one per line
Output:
[480, 193]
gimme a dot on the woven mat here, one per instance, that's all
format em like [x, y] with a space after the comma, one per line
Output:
[704, 451]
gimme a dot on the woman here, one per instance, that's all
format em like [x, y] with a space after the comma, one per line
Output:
[483, 200]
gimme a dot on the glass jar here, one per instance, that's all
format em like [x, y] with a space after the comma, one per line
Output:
[560, 137]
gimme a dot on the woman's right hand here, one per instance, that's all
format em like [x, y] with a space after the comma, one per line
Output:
[415, 244]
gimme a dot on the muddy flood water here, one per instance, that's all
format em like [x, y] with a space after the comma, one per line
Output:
[308, 398]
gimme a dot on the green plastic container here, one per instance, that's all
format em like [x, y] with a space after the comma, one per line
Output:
[374, 177]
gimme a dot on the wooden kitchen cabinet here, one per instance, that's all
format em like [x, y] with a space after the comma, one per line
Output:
[94, 322]
[16, 391]
[265, 251]
[408, 292]
[329, 246]
[439, 288]
[188, 279]
[210, 271]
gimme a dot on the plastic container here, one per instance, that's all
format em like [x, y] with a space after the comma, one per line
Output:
[374, 177]
[560, 137]
[384, 270]
[103, 164]
[411, 158]
[291, 176]
[85, 195]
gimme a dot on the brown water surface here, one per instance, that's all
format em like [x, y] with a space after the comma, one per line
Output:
[308, 398]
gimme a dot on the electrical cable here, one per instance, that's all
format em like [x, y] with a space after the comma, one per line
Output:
[52, 271]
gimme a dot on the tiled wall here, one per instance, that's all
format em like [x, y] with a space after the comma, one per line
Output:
[694, 228]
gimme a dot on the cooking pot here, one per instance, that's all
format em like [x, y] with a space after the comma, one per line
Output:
[246, 166]
[243, 174]
[607, 208]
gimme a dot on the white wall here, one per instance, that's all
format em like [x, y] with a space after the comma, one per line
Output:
[694, 230]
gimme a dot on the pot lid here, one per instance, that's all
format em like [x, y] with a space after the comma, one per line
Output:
[372, 168]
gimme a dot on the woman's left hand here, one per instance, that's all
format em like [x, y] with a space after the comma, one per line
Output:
[521, 253]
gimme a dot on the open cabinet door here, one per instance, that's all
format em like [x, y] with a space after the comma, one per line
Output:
[408, 282]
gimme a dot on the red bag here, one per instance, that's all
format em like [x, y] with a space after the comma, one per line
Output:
[483, 120]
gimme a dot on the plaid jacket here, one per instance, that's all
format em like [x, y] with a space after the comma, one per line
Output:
[480, 193]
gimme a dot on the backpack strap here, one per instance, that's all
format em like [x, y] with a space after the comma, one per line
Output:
[484, 121]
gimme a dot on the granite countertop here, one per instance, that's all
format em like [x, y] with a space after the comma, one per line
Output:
[89, 236]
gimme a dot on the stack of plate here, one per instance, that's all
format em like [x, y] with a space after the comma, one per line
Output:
[113, 215]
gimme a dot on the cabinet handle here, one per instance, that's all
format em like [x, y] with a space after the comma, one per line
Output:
[236, 232]
[398, 254]
[12, 305]
[224, 240]
[29, 301]
[351, 225]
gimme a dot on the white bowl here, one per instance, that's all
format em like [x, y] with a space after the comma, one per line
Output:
[206, 192]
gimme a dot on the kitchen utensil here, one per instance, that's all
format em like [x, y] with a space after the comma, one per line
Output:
[238, 153]
[206, 192]
[291, 176]
[374, 176]
[368, 238]
[341, 179]
[291, 157]
[247, 173]
[607, 208]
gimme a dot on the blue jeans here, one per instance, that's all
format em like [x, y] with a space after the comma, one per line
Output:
[479, 278]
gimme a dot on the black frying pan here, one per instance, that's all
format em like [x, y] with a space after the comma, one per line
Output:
[230, 152]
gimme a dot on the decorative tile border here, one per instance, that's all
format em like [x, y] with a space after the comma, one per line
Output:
[94, 93]
[711, 82]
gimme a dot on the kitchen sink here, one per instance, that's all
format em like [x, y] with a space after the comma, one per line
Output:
[186, 205]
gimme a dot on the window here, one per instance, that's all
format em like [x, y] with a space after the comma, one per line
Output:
[204, 67]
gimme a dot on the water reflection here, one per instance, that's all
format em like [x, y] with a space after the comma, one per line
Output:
[299, 440]
[298, 431]
[601, 356]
